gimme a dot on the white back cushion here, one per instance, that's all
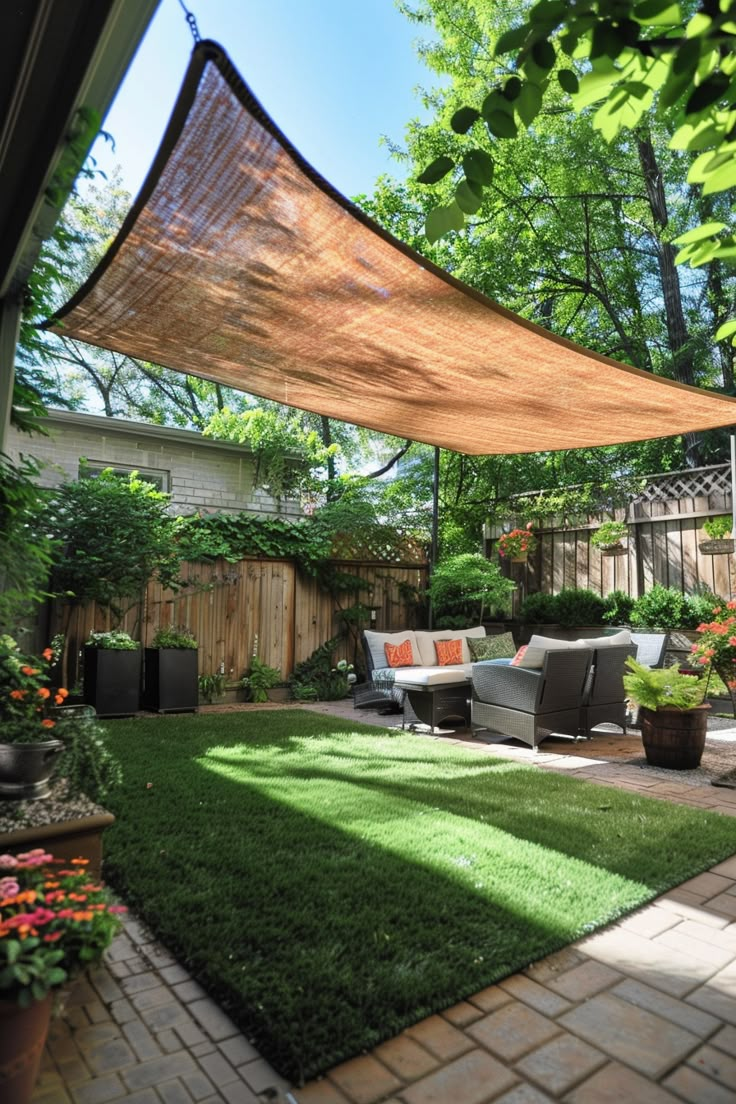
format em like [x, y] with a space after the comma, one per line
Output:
[623, 637]
[425, 642]
[377, 640]
[534, 655]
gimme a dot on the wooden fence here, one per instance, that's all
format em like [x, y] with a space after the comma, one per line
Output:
[665, 522]
[226, 606]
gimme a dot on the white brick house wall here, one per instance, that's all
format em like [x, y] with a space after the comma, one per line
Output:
[200, 474]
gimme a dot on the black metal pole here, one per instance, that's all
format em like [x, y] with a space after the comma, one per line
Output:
[435, 523]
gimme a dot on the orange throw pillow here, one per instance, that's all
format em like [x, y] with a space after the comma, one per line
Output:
[399, 655]
[448, 652]
[519, 655]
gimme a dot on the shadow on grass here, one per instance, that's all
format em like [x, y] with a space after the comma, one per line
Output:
[334, 887]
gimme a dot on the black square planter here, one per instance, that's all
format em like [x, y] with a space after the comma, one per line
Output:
[112, 681]
[170, 681]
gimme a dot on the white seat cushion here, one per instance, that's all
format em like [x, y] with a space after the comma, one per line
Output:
[412, 677]
[425, 641]
[376, 642]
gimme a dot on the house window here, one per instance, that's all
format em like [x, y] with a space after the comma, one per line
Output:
[159, 478]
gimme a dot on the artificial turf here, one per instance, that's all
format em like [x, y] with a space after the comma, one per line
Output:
[331, 883]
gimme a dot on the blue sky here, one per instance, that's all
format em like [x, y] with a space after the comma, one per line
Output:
[334, 75]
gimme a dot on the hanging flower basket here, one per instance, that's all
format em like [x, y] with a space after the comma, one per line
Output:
[717, 547]
[613, 549]
[517, 545]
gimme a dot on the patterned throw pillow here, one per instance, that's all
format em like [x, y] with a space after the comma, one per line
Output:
[500, 646]
[399, 655]
[519, 655]
[448, 652]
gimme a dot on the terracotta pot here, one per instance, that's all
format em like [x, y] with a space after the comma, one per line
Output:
[674, 738]
[23, 1034]
[25, 769]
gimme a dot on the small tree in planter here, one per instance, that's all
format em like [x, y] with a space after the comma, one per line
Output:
[466, 586]
[112, 536]
[171, 672]
[260, 677]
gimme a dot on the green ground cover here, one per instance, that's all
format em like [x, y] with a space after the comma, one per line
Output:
[331, 883]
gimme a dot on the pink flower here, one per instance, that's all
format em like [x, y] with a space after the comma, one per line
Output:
[8, 862]
[117, 909]
[8, 887]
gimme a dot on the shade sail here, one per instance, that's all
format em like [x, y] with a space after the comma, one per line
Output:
[239, 263]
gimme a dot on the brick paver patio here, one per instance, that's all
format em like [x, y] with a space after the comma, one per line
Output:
[643, 1011]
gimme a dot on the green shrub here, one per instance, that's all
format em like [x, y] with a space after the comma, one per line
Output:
[539, 609]
[618, 609]
[169, 637]
[211, 687]
[661, 608]
[115, 640]
[318, 673]
[579, 607]
[699, 608]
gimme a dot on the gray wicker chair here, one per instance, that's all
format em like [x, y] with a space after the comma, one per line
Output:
[650, 648]
[530, 704]
[605, 698]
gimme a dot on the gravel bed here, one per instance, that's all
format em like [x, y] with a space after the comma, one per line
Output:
[53, 809]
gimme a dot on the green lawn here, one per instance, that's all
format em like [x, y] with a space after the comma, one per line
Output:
[331, 883]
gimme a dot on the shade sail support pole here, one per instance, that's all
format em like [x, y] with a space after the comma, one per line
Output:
[435, 525]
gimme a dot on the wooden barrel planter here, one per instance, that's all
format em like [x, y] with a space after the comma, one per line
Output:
[613, 549]
[674, 738]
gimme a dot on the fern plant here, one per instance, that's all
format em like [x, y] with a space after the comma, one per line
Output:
[663, 687]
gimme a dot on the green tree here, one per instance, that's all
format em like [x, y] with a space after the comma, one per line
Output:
[628, 66]
[111, 536]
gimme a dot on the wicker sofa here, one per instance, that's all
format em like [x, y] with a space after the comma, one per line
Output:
[381, 689]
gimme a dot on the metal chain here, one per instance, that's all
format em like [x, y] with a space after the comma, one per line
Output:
[191, 20]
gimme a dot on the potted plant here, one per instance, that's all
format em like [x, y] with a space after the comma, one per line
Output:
[673, 718]
[112, 673]
[260, 677]
[211, 687]
[55, 922]
[715, 648]
[518, 544]
[719, 531]
[170, 672]
[608, 538]
[29, 746]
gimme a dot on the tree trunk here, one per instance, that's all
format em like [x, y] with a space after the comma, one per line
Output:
[679, 341]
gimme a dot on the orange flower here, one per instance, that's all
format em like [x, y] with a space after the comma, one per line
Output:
[30, 670]
[62, 693]
[47, 723]
[83, 914]
[18, 695]
[81, 862]
[47, 654]
[43, 692]
[58, 700]
[52, 937]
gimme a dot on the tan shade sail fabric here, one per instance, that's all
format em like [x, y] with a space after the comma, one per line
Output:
[239, 263]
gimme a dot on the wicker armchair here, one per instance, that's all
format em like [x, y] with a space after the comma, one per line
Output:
[530, 704]
[605, 699]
